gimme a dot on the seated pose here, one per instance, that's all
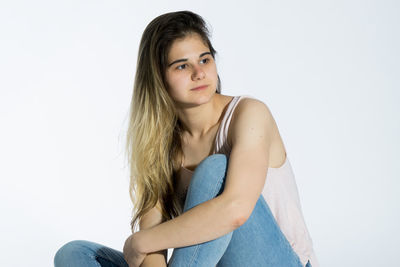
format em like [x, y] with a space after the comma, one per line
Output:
[210, 176]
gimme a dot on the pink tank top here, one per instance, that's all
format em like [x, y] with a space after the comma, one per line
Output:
[280, 192]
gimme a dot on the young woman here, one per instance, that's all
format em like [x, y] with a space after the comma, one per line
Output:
[210, 176]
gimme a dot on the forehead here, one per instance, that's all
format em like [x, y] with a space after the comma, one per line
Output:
[190, 44]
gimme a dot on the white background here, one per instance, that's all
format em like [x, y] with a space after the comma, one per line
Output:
[328, 70]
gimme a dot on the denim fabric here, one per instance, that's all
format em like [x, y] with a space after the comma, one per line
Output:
[258, 242]
[82, 253]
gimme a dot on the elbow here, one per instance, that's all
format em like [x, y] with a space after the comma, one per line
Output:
[240, 216]
[239, 212]
[240, 220]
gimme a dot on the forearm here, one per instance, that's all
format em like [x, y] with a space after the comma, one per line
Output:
[207, 221]
[156, 259]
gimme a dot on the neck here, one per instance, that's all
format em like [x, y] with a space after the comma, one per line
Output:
[199, 120]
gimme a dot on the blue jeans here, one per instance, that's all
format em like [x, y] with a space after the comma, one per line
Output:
[258, 242]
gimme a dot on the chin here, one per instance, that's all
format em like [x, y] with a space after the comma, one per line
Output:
[194, 100]
[205, 96]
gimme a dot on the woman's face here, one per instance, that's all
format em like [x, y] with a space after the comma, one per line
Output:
[190, 65]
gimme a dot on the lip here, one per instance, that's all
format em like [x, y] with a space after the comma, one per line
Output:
[199, 88]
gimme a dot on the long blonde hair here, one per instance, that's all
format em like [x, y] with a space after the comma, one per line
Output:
[153, 143]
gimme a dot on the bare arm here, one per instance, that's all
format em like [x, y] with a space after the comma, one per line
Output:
[191, 227]
[247, 169]
[149, 220]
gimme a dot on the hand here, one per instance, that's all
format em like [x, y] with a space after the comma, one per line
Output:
[132, 255]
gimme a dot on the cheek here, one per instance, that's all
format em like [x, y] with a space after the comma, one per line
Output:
[212, 69]
[170, 80]
[175, 83]
[212, 72]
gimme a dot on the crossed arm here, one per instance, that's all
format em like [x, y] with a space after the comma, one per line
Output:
[192, 227]
[247, 169]
[149, 220]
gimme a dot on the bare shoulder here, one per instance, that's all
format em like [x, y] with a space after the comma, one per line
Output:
[249, 113]
[254, 105]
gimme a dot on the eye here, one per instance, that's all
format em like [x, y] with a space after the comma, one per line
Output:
[179, 67]
[205, 59]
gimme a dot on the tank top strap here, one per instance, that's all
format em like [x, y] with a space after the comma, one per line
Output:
[221, 145]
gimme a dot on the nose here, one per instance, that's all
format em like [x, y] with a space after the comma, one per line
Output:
[198, 73]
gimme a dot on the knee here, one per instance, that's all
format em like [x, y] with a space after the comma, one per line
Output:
[68, 252]
[212, 169]
[207, 180]
[214, 163]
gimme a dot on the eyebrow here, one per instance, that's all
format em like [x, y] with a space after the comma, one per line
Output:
[185, 59]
